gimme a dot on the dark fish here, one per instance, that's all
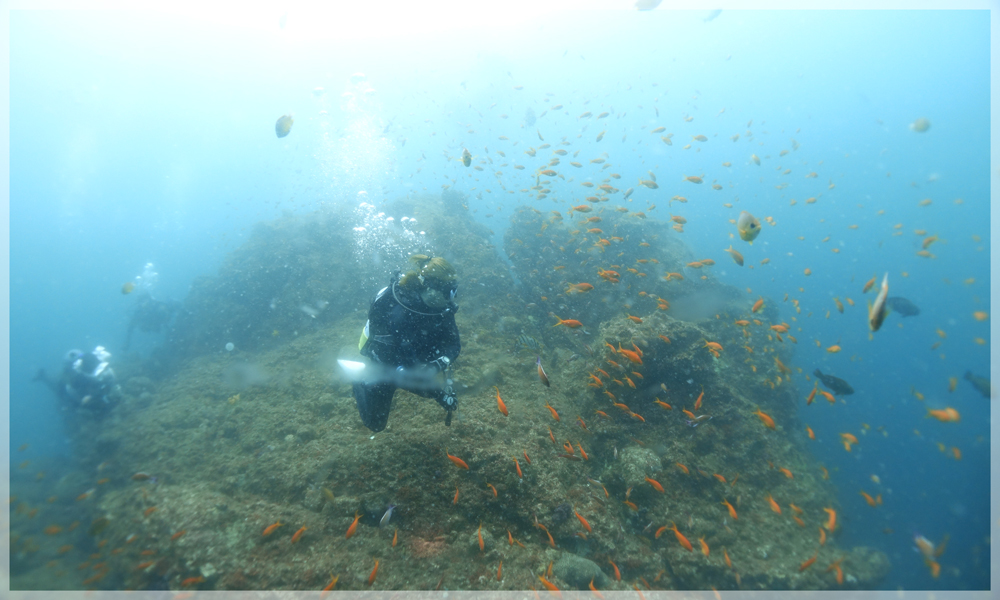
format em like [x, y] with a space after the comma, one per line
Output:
[980, 383]
[903, 306]
[528, 343]
[561, 513]
[835, 384]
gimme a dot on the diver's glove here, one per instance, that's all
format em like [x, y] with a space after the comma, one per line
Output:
[441, 363]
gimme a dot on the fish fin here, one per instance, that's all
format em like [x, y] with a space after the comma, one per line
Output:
[941, 546]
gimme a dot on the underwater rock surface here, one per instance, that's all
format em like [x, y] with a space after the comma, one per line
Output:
[238, 441]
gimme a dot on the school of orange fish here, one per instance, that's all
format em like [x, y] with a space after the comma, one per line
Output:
[589, 189]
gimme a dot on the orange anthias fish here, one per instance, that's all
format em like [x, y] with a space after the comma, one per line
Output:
[809, 562]
[773, 504]
[298, 534]
[270, 528]
[704, 546]
[765, 419]
[371, 578]
[549, 585]
[583, 521]
[354, 526]
[831, 523]
[517, 465]
[541, 374]
[868, 498]
[946, 415]
[713, 345]
[680, 538]
[332, 584]
[632, 356]
[571, 323]
[757, 305]
[655, 484]
[835, 565]
[782, 367]
[458, 461]
[555, 415]
[732, 511]
[500, 404]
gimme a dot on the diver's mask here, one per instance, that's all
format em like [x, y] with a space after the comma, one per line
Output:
[439, 296]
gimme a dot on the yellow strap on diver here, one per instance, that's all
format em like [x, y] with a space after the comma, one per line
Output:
[364, 337]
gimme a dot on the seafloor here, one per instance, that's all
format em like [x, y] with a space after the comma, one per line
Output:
[233, 442]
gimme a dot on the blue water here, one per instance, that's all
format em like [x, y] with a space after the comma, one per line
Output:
[138, 138]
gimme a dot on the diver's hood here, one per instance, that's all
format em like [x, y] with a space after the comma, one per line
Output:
[426, 302]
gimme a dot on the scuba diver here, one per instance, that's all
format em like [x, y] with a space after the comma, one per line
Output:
[87, 381]
[411, 339]
[150, 316]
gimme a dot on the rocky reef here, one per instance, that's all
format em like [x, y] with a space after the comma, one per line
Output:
[646, 427]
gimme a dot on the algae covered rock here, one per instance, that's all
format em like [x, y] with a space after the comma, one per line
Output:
[866, 568]
[635, 464]
[239, 441]
[579, 571]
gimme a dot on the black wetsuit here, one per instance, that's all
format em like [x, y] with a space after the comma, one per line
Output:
[404, 332]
